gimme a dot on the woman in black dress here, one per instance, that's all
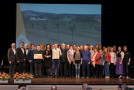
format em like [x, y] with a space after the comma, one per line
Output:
[48, 59]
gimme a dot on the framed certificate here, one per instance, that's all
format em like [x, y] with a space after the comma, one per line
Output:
[38, 56]
[55, 54]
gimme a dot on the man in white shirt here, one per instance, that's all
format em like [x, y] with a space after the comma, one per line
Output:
[26, 61]
[56, 53]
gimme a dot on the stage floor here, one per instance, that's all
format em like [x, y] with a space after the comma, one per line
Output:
[74, 81]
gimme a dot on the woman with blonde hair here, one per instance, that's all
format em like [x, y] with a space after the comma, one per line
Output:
[91, 49]
[95, 63]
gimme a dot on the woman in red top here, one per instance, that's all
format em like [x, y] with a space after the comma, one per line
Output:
[107, 62]
[95, 63]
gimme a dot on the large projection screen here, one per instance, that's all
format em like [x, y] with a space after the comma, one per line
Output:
[58, 23]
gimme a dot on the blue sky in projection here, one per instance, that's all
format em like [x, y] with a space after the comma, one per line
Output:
[83, 26]
[63, 8]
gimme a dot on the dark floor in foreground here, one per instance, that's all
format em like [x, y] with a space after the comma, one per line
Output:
[79, 81]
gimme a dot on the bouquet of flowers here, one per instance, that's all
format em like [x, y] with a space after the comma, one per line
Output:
[23, 76]
[4, 76]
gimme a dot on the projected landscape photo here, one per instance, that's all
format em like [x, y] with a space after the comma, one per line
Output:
[69, 28]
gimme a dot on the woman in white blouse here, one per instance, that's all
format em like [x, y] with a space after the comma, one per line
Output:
[113, 62]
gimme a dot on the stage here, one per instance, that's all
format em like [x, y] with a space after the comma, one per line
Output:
[70, 84]
[74, 81]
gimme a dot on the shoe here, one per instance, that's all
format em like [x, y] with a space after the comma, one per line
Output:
[107, 77]
[87, 77]
[120, 77]
[127, 77]
[78, 76]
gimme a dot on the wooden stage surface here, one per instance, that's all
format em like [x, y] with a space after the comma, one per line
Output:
[112, 81]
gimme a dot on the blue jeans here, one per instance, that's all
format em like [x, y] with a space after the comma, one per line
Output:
[77, 68]
[106, 66]
[85, 66]
[55, 67]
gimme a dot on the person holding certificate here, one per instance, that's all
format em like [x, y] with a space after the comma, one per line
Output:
[56, 53]
[38, 57]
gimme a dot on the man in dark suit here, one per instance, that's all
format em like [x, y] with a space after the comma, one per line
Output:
[63, 60]
[12, 59]
[30, 56]
[21, 57]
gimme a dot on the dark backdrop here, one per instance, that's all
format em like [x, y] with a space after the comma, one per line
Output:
[115, 22]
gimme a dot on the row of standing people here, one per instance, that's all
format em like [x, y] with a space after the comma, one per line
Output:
[87, 62]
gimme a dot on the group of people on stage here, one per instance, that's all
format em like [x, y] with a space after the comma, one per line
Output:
[69, 60]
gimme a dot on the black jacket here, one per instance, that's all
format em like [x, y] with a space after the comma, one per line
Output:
[63, 58]
[11, 56]
[19, 55]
